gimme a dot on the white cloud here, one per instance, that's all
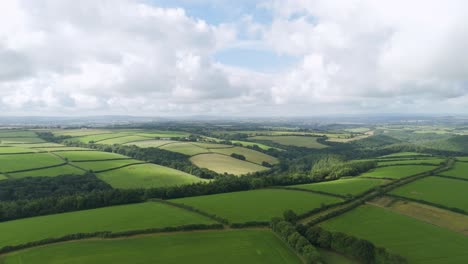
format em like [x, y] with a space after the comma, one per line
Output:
[132, 57]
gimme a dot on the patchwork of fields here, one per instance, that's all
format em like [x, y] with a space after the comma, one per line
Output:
[297, 141]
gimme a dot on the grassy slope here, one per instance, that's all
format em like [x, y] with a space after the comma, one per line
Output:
[250, 155]
[251, 144]
[460, 170]
[403, 154]
[115, 218]
[235, 246]
[448, 192]
[258, 205]
[122, 140]
[298, 141]
[20, 140]
[27, 161]
[397, 172]
[147, 176]
[49, 172]
[104, 165]
[3, 177]
[434, 161]
[419, 242]
[351, 186]
[154, 143]
[221, 164]
[13, 150]
[89, 155]
[185, 148]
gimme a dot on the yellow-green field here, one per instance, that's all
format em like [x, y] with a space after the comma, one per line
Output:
[225, 164]
[297, 141]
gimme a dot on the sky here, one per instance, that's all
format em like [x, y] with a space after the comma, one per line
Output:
[233, 58]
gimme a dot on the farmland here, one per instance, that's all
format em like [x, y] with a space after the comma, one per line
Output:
[397, 172]
[434, 161]
[49, 172]
[419, 242]
[147, 176]
[446, 192]
[460, 170]
[104, 165]
[114, 218]
[89, 155]
[352, 186]
[297, 141]
[239, 207]
[21, 162]
[225, 164]
[247, 246]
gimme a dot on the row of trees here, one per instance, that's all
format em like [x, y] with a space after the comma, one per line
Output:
[333, 167]
[360, 249]
[288, 233]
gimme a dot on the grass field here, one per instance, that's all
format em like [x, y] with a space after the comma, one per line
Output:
[418, 241]
[37, 145]
[207, 145]
[430, 214]
[3, 177]
[89, 155]
[403, 155]
[460, 170]
[462, 158]
[186, 148]
[13, 150]
[49, 172]
[17, 162]
[448, 192]
[147, 176]
[225, 164]
[97, 166]
[350, 186]
[228, 247]
[250, 155]
[434, 161]
[251, 144]
[397, 172]
[97, 137]
[80, 132]
[258, 205]
[153, 143]
[298, 141]
[114, 218]
[122, 140]
[17, 133]
[20, 140]
[59, 148]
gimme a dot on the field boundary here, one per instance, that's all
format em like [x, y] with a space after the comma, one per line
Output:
[307, 190]
[97, 160]
[453, 209]
[39, 168]
[123, 166]
[451, 177]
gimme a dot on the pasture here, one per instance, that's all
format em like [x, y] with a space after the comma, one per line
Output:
[89, 155]
[122, 140]
[114, 218]
[433, 161]
[251, 144]
[297, 141]
[225, 164]
[97, 166]
[152, 143]
[15, 150]
[257, 205]
[447, 192]
[397, 172]
[18, 162]
[417, 241]
[459, 170]
[229, 247]
[404, 155]
[250, 155]
[186, 148]
[351, 186]
[49, 172]
[147, 176]
[3, 177]
[20, 140]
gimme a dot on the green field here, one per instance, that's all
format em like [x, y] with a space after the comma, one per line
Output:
[418, 241]
[233, 246]
[97, 166]
[433, 161]
[49, 172]
[122, 140]
[460, 170]
[3, 177]
[13, 150]
[90, 155]
[251, 144]
[462, 158]
[207, 145]
[225, 164]
[153, 143]
[114, 218]
[97, 137]
[80, 132]
[17, 162]
[20, 140]
[403, 155]
[37, 145]
[147, 176]
[397, 172]
[59, 148]
[186, 148]
[351, 186]
[298, 141]
[250, 155]
[447, 192]
[257, 205]
[17, 133]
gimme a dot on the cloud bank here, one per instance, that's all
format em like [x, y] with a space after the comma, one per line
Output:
[63, 57]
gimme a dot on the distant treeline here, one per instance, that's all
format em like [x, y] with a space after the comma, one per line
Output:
[332, 167]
